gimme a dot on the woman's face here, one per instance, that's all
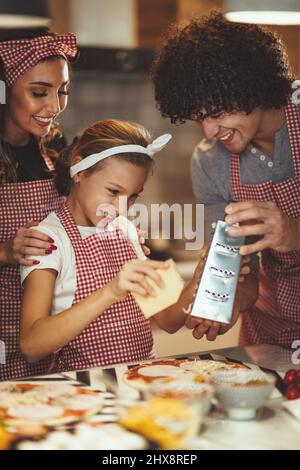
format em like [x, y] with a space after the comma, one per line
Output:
[113, 188]
[35, 100]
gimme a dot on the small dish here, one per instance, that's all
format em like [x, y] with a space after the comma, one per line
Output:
[242, 392]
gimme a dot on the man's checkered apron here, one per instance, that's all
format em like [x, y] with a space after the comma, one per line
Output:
[19, 203]
[275, 318]
[121, 333]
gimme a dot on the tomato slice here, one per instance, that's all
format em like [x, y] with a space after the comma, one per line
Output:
[293, 392]
[290, 376]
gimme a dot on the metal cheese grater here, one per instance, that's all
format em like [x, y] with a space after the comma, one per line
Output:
[215, 295]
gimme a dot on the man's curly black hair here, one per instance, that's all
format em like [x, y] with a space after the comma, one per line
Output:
[219, 66]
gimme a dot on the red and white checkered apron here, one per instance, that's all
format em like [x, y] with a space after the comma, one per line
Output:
[275, 318]
[121, 333]
[19, 203]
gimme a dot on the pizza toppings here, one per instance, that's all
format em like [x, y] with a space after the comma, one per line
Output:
[292, 382]
[35, 412]
[81, 402]
[6, 387]
[23, 403]
[54, 391]
[13, 398]
[141, 377]
[159, 371]
[209, 366]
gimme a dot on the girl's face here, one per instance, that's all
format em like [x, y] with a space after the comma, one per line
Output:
[116, 181]
[35, 100]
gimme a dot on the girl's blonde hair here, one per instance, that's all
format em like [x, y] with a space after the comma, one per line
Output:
[97, 137]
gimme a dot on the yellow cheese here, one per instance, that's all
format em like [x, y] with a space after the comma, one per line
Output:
[5, 438]
[165, 296]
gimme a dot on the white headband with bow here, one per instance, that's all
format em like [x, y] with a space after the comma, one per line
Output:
[156, 146]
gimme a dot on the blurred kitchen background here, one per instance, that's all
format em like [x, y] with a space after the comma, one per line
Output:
[118, 39]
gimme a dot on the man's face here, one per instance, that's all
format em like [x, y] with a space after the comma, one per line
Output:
[235, 131]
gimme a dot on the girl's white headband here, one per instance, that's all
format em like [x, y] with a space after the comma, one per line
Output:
[156, 146]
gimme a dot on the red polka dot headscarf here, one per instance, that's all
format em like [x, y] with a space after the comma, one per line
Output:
[21, 54]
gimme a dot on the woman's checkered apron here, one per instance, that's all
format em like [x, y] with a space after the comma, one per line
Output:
[19, 203]
[275, 318]
[121, 333]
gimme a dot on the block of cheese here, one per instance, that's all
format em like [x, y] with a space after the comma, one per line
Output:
[165, 296]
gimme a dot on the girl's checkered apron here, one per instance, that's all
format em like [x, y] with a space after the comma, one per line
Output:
[275, 318]
[19, 203]
[121, 333]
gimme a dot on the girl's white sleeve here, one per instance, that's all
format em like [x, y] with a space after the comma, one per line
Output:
[50, 261]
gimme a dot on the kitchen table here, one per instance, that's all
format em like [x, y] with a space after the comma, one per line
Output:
[274, 427]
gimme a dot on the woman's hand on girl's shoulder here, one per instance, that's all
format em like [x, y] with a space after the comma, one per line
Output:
[28, 241]
[133, 278]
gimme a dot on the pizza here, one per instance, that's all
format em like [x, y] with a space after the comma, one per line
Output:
[142, 376]
[206, 367]
[49, 404]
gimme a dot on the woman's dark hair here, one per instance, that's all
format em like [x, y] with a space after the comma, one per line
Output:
[8, 172]
[99, 136]
[219, 66]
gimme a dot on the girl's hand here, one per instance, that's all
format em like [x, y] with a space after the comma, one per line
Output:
[141, 235]
[28, 241]
[132, 278]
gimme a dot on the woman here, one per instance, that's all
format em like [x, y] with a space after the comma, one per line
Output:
[35, 69]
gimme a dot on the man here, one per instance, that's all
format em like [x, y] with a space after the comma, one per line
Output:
[235, 82]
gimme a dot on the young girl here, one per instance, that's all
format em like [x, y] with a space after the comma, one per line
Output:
[77, 306]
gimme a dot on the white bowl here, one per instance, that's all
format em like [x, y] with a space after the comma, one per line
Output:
[242, 392]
